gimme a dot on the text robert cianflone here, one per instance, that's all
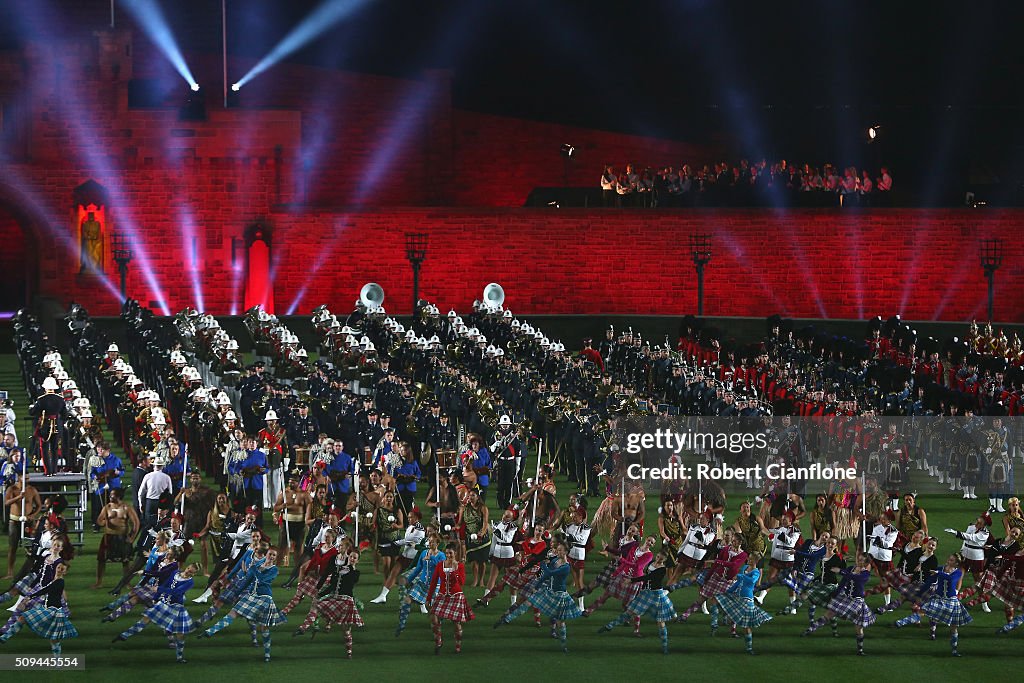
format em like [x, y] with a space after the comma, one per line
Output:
[670, 440]
[709, 472]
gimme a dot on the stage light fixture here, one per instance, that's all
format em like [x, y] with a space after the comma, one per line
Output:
[568, 150]
[235, 87]
[194, 87]
[873, 132]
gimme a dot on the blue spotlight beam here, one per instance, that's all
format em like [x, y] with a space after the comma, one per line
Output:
[329, 13]
[151, 19]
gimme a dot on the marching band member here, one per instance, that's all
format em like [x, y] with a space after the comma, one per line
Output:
[882, 540]
[578, 536]
[272, 441]
[975, 538]
[503, 551]
[785, 539]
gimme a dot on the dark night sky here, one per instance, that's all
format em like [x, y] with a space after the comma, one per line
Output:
[773, 78]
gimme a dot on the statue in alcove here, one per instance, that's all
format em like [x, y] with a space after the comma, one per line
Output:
[91, 244]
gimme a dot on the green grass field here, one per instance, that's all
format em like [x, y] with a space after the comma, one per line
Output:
[521, 651]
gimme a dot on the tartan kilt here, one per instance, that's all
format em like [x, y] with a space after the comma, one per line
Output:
[502, 562]
[915, 591]
[896, 578]
[605, 577]
[230, 593]
[1010, 591]
[820, 594]
[622, 588]
[986, 582]
[798, 583]
[702, 577]
[51, 623]
[854, 610]
[654, 604]
[520, 578]
[146, 594]
[260, 609]
[559, 606]
[172, 618]
[947, 611]
[340, 610]
[743, 612]
[307, 586]
[418, 592]
[27, 583]
[715, 584]
[451, 606]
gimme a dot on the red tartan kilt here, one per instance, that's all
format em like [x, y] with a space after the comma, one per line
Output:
[340, 610]
[781, 565]
[716, 584]
[1011, 592]
[622, 588]
[307, 586]
[520, 578]
[452, 607]
[578, 565]
[986, 582]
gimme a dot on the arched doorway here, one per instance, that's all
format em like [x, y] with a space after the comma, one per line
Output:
[18, 260]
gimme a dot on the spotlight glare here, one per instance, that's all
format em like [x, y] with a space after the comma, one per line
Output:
[195, 87]
[151, 19]
[236, 87]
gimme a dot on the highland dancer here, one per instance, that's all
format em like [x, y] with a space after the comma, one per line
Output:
[159, 567]
[49, 620]
[632, 563]
[848, 601]
[445, 599]
[652, 600]
[805, 569]
[739, 605]
[551, 598]
[418, 582]
[236, 581]
[336, 604]
[257, 605]
[721, 575]
[310, 573]
[168, 612]
[945, 607]
[521, 577]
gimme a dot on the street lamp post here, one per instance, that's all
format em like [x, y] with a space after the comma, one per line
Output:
[991, 259]
[122, 257]
[700, 248]
[416, 252]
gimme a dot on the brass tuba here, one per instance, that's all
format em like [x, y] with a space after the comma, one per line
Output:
[411, 428]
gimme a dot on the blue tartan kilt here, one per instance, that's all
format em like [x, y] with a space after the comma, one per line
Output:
[654, 604]
[560, 606]
[418, 592]
[715, 584]
[260, 610]
[854, 610]
[702, 577]
[51, 623]
[820, 594]
[172, 618]
[947, 611]
[798, 582]
[743, 612]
